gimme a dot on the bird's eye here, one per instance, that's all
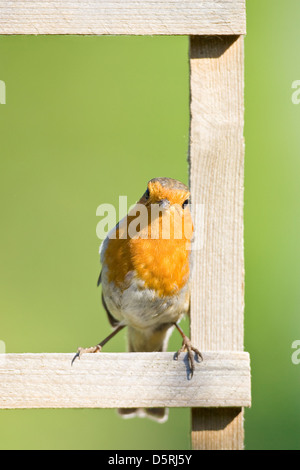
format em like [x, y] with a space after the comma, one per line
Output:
[147, 194]
[185, 203]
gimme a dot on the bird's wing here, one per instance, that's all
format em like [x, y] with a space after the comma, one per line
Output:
[99, 279]
[111, 319]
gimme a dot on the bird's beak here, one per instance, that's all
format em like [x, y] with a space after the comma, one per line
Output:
[164, 203]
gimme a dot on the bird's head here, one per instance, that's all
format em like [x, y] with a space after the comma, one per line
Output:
[168, 200]
[166, 192]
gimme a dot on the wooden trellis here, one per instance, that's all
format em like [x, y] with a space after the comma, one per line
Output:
[220, 387]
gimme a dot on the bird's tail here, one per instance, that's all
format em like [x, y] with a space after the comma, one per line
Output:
[140, 341]
[159, 415]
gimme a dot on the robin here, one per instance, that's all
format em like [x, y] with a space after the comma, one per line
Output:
[145, 277]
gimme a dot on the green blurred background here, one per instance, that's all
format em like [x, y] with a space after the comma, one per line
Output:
[90, 118]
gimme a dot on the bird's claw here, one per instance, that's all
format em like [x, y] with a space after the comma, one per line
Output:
[80, 351]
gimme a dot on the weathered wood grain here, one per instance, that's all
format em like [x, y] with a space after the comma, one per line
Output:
[131, 17]
[123, 380]
[216, 179]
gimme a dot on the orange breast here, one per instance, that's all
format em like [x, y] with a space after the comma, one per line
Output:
[163, 264]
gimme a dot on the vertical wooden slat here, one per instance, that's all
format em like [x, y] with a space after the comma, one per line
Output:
[216, 179]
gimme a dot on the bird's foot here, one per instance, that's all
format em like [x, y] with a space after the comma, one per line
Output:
[99, 346]
[187, 346]
[80, 351]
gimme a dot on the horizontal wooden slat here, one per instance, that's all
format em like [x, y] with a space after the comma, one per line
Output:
[109, 380]
[190, 17]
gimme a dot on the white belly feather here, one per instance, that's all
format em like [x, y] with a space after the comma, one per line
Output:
[140, 307]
